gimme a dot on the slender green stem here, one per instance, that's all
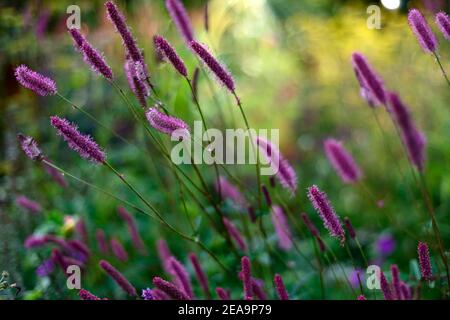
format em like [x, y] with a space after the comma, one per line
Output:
[438, 60]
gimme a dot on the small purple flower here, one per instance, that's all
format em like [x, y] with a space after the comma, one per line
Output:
[27, 204]
[395, 272]
[281, 226]
[118, 250]
[349, 227]
[229, 191]
[355, 277]
[281, 289]
[147, 294]
[422, 31]
[169, 53]
[443, 22]
[35, 81]
[170, 289]
[342, 161]
[221, 73]
[167, 124]
[282, 169]
[118, 278]
[413, 139]
[134, 70]
[385, 287]
[45, 268]
[369, 80]
[385, 245]
[91, 56]
[246, 274]
[326, 212]
[101, 241]
[181, 19]
[30, 147]
[201, 276]
[83, 144]
[235, 234]
[132, 229]
[424, 261]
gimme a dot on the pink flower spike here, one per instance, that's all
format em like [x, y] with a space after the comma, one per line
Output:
[443, 22]
[167, 124]
[118, 250]
[281, 226]
[32, 80]
[235, 234]
[422, 31]
[170, 289]
[281, 289]
[181, 19]
[118, 278]
[247, 278]
[201, 276]
[424, 261]
[342, 161]
[181, 276]
[30, 147]
[27, 204]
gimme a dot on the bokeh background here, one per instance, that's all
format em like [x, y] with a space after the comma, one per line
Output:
[291, 63]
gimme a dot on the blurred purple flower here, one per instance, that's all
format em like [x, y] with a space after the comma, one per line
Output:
[385, 245]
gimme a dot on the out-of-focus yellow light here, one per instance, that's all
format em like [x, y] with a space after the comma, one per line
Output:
[391, 4]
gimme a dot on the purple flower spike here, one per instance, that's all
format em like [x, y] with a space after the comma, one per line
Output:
[247, 278]
[147, 294]
[169, 53]
[118, 278]
[201, 276]
[164, 254]
[258, 289]
[342, 161]
[181, 19]
[132, 229]
[424, 261]
[167, 124]
[422, 31]
[223, 294]
[281, 226]
[45, 268]
[443, 22]
[170, 289]
[101, 241]
[86, 295]
[134, 70]
[27, 204]
[325, 210]
[30, 147]
[385, 287]
[229, 191]
[349, 227]
[221, 73]
[413, 139]
[118, 250]
[368, 78]
[32, 80]
[119, 23]
[91, 56]
[281, 289]
[282, 169]
[80, 143]
[406, 291]
[361, 297]
[395, 272]
[235, 234]
[308, 223]
[181, 276]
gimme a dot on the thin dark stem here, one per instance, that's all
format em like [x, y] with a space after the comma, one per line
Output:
[442, 68]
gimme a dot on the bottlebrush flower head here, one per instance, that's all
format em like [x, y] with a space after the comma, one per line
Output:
[28, 204]
[101, 241]
[134, 71]
[406, 291]
[80, 248]
[422, 31]
[342, 161]
[118, 278]
[222, 294]
[118, 250]
[443, 22]
[349, 227]
[159, 295]
[258, 289]
[147, 294]
[91, 56]
[228, 190]
[326, 212]
[201, 276]
[413, 139]
[167, 124]
[235, 234]
[308, 223]
[365, 91]
[181, 19]
[181, 276]
[424, 261]
[169, 53]
[281, 226]
[33, 241]
[282, 169]
[32, 80]
[246, 274]
[395, 273]
[385, 287]
[86, 295]
[221, 73]
[132, 229]
[30, 147]
[118, 20]
[281, 289]
[83, 144]
[164, 254]
[367, 76]
[170, 289]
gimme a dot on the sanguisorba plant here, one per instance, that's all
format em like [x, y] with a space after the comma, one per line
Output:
[245, 237]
